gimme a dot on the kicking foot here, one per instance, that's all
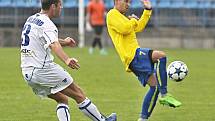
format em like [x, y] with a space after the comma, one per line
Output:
[140, 119]
[169, 100]
[112, 117]
[90, 50]
[103, 52]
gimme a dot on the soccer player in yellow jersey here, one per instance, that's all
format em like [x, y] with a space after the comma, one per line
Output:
[140, 61]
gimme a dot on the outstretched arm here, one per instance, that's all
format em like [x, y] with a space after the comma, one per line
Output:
[50, 35]
[142, 22]
[147, 4]
[57, 49]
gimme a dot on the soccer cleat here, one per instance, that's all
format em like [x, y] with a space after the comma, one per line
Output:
[103, 52]
[90, 50]
[170, 101]
[112, 117]
[140, 119]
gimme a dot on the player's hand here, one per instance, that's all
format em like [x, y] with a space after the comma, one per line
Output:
[72, 63]
[133, 16]
[70, 42]
[147, 4]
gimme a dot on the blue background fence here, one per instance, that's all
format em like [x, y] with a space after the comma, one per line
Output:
[166, 12]
[174, 23]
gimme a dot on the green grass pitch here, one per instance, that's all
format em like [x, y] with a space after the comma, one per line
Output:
[112, 89]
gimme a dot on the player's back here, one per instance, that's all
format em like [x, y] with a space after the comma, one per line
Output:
[35, 41]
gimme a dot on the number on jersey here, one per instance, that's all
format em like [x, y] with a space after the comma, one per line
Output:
[25, 38]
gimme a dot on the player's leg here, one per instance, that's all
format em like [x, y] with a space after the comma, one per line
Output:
[98, 40]
[42, 80]
[98, 34]
[85, 104]
[95, 41]
[99, 30]
[143, 68]
[160, 57]
[155, 95]
[61, 81]
[166, 99]
[150, 99]
[62, 109]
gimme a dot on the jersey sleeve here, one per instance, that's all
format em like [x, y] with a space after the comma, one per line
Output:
[142, 22]
[120, 24]
[50, 34]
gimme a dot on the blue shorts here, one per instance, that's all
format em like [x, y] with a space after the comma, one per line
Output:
[142, 65]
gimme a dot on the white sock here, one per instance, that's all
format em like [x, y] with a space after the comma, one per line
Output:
[90, 110]
[63, 112]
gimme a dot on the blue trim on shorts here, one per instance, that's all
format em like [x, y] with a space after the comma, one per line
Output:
[142, 65]
[32, 74]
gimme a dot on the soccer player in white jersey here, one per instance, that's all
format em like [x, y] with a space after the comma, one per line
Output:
[46, 78]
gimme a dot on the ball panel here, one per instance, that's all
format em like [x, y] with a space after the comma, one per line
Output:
[175, 76]
[172, 70]
[182, 75]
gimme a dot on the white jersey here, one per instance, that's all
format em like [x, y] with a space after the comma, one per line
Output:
[37, 34]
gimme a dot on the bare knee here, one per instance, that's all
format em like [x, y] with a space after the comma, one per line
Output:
[162, 54]
[157, 55]
[75, 92]
[59, 98]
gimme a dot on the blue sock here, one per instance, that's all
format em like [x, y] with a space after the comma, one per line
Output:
[150, 96]
[155, 97]
[163, 75]
[154, 102]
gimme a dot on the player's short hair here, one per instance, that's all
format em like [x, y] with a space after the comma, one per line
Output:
[47, 3]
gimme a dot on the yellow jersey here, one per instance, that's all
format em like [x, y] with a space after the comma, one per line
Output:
[122, 31]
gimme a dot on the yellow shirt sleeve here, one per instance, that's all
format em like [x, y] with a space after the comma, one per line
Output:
[142, 22]
[121, 24]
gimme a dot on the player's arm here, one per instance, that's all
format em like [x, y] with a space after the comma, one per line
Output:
[120, 24]
[50, 35]
[142, 22]
[58, 50]
[67, 42]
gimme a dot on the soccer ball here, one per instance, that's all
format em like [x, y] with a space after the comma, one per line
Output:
[177, 71]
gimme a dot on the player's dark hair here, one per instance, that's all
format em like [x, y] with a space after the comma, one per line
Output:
[46, 4]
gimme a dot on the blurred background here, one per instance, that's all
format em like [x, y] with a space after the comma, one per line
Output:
[188, 25]
[174, 23]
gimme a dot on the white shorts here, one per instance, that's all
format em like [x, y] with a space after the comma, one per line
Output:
[48, 80]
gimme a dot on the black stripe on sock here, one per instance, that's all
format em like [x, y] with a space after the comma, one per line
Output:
[67, 118]
[92, 114]
[81, 108]
[65, 108]
[85, 107]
